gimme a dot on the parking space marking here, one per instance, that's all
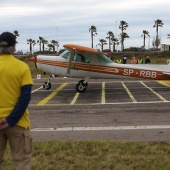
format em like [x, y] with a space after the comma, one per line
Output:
[129, 93]
[165, 83]
[145, 127]
[89, 104]
[45, 100]
[103, 94]
[75, 99]
[162, 98]
[37, 89]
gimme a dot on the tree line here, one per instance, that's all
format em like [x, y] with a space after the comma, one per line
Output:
[112, 40]
[123, 25]
[41, 41]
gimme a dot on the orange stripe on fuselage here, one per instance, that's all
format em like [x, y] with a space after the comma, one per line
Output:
[131, 72]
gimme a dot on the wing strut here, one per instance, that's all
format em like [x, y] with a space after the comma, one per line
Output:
[70, 61]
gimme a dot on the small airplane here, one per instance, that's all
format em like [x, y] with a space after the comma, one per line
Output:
[86, 63]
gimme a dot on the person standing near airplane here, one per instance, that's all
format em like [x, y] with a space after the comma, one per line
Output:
[124, 59]
[16, 83]
[119, 61]
[140, 60]
[133, 61]
[147, 60]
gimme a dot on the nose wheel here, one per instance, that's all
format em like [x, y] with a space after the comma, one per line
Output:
[81, 86]
[47, 85]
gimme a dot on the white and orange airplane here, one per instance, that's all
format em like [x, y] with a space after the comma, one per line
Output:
[86, 63]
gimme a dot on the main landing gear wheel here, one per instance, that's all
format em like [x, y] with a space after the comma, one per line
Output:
[81, 86]
[47, 85]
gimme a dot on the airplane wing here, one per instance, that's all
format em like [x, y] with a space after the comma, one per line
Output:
[79, 48]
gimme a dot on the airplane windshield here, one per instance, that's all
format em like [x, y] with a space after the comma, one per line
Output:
[65, 54]
[103, 59]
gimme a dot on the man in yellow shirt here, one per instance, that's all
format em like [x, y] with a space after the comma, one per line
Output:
[15, 94]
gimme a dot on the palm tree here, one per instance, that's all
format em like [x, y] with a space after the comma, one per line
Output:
[31, 42]
[16, 33]
[156, 42]
[43, 43]
[144, 36]
[123, 25]
[102, 43]
[158, 23]
[50, 47]
[123, 36]
[110, 35]
[93, 30]
[40, 41]
[114, 42]
[54, 43]
[168, 36]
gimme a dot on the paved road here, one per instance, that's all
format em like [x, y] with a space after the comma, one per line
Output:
[120, 110]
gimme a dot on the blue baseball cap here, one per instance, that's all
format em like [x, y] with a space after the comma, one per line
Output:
[7, 39]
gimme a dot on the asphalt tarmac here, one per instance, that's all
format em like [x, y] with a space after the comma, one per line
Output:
[119, 110]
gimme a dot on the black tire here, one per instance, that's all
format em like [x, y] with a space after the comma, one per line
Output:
[81, 86]
[47, 85]
[84, 84]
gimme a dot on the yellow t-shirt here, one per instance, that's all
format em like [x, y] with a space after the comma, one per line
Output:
[13, 75]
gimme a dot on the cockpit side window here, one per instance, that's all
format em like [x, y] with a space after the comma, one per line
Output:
[78, 57]
[81, 58]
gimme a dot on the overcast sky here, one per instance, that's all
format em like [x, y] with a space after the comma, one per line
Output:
[68, 21]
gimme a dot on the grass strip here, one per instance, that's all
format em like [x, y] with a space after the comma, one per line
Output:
[97, 155]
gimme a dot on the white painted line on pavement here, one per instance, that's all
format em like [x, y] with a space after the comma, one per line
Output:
[37, 89]
[147, 127]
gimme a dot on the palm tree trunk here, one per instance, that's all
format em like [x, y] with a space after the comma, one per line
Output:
[43, 46]
[144, 41]
[40, 46]
[92, 39]
[30, 47]
[122, 41]
[109, 44]
[156, 35]
[113, 47]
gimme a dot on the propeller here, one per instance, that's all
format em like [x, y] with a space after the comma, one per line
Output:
[34, 59]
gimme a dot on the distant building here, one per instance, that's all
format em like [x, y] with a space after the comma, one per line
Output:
[165, 47]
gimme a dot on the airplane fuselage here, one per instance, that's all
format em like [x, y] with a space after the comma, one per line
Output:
[58, 66]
